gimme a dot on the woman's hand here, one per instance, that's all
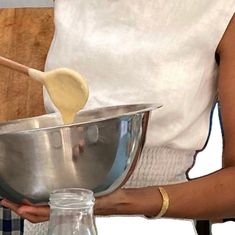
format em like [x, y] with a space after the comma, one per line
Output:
[136, 201]
[144, 201]
[35, 214]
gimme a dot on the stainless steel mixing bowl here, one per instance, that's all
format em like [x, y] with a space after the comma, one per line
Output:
[98, 152]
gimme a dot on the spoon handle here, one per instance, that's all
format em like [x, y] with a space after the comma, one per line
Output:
[14, 65]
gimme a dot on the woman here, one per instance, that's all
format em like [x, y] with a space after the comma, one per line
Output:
[164, 52]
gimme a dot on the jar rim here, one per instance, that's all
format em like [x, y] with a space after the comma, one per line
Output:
[71, 190]
[71, 198]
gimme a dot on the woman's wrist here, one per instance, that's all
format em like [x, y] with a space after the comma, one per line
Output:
[131, 201]
[145, 201]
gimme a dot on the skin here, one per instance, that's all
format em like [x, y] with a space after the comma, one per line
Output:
[207, 197]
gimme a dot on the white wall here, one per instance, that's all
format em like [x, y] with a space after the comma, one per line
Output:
[209, 159]
[25, 3]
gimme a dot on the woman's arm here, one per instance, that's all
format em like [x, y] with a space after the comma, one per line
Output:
[208, 197]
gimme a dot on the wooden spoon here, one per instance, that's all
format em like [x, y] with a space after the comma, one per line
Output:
[68, 90]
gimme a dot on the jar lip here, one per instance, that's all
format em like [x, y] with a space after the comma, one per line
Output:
[72, 190]
[72, 198]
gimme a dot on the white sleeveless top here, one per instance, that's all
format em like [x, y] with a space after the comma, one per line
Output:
[146, 51]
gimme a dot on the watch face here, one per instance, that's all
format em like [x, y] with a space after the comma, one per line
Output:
[25, 3]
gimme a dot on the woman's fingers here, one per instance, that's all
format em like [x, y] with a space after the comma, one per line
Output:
[43, 211]
[34, 214]
[35, 218]
[13, 206]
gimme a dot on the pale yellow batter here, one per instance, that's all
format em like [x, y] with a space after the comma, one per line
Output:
[68, 90]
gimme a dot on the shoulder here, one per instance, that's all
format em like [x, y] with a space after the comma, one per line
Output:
[227, 44]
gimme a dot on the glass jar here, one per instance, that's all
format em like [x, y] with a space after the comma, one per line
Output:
[72, 212]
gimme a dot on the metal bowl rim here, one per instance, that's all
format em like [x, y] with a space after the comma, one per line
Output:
[147, 107]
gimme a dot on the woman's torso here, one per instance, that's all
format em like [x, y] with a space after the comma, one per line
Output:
[146, 51]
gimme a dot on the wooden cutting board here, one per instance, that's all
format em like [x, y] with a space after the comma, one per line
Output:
[25, 36]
